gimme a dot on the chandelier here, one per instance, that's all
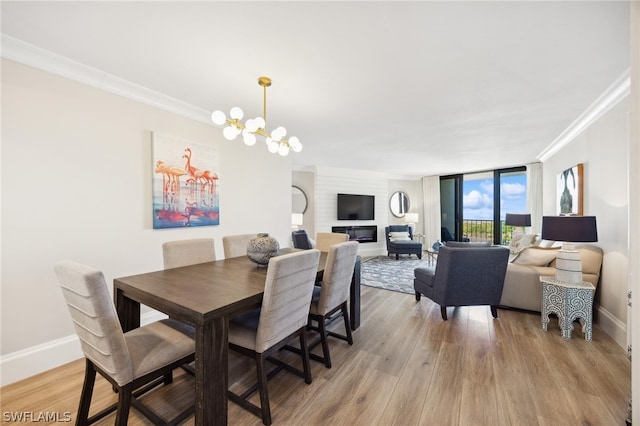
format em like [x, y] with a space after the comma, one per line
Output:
[275, 141]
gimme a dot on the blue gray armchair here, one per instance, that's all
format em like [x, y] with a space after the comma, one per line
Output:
[398, 245]
[464, 276]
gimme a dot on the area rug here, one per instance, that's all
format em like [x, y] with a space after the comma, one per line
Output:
[390, 274]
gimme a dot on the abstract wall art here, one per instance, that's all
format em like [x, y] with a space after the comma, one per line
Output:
[569, 190]
[185, 183]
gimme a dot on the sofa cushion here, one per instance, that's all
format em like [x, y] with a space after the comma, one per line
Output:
[399, 236]
[535, 256]
[591, 257]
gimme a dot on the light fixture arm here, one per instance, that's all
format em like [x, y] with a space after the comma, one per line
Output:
[275, 140]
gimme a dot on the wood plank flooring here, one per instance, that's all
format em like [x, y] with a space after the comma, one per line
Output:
[406, 367]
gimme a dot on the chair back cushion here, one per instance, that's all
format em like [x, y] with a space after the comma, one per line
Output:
[95, 319]
[188, 252]
[236, 245]
[287, 296]
[324, 240]
[337, 276]
[301, 239]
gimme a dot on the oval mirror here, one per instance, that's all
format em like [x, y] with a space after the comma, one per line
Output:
[399, 203]
[298, 200]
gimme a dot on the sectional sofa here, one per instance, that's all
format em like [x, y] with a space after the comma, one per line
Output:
[522, 288]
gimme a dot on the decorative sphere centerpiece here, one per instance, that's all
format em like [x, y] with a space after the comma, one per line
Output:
[261, 248]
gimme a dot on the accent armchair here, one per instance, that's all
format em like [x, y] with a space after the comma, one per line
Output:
[464, 276]
[400, 241]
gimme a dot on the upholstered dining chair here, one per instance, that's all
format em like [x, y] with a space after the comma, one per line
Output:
[236, 245]
[283, 316]
[188, 252]
[133, 362]
[324, 240]
[331, 296]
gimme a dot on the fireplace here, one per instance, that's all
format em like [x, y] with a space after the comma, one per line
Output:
[362, 234]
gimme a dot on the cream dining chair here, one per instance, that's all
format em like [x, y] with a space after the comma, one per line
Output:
[331, 296]
[133, 362]
[188, 252]
[236, 245]
[283, 316]
[324, 240]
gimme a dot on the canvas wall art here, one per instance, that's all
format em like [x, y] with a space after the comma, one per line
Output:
[185, 183]
[569, 190]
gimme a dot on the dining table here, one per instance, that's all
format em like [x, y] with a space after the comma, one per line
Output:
[206, 296]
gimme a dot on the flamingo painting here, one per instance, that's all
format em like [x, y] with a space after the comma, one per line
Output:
[200, 205]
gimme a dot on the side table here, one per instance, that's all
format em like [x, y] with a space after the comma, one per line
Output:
[432, 256]
[569, 301]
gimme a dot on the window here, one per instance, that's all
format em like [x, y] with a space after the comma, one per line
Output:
[473, 205]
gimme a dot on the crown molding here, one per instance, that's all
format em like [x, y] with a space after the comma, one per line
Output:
[33, 56]
[614, 94]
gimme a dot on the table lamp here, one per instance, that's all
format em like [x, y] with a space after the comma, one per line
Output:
[296, 220]
[518, 219]
[411, 219]
[569, 230]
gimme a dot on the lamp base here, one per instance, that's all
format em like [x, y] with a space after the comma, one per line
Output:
[569, 264]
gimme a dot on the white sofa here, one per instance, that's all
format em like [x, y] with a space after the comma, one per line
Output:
[522, 288]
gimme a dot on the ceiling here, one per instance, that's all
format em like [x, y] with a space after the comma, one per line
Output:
[406, 88]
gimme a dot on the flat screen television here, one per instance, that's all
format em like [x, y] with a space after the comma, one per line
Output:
[356, 207]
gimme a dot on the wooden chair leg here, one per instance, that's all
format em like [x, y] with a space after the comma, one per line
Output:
[87, 393]
[124, 404]
[345, 314]
[494, 311]
[305, 356]
[443, 312]
[325, 344]
[262, 387]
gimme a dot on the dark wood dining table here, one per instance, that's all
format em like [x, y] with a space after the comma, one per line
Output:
[206, 295]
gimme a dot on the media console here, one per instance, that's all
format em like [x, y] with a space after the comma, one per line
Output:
[362, 234]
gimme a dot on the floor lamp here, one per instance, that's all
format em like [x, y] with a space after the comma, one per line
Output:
[570, 230]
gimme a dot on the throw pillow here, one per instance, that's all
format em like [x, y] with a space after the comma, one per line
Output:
[517, 244]
[535, 256]
[399, 236]
[546, 243]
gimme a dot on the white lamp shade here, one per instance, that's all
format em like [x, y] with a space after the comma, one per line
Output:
[411, 217]
[296, 219]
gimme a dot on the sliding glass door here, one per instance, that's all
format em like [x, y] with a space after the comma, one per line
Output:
[473, 206]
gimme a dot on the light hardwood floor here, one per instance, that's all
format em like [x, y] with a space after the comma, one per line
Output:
[406, 367]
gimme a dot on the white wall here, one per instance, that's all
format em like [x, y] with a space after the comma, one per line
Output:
[76, 184]
[331, 181]
[603, 149]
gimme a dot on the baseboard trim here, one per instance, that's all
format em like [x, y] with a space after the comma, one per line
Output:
[611, 325]
[37, 359]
